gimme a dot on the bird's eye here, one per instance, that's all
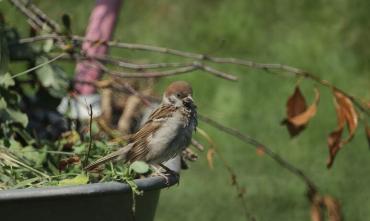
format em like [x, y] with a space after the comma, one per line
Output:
[178, 95]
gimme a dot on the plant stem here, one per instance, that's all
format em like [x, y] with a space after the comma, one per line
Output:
[90, 138]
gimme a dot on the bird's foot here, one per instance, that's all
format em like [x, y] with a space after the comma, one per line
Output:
[171, 172]
[157, 171]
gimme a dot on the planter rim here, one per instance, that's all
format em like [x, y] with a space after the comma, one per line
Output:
[145, 184]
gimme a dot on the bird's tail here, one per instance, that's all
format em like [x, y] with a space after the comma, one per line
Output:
[116, 155]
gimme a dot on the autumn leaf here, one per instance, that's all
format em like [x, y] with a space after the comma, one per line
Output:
[68, 161]
[334, 143]
[367, 132]
[303, 118]
[333, 207]
[260, 151]
[298, 115]
[210, 154]
[212, 149]
[316, 208]
[346, 115]
[316, 213]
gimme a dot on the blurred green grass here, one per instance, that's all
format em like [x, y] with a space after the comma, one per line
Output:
[328, 38]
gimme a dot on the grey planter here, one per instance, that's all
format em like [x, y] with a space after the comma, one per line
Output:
[101, 202]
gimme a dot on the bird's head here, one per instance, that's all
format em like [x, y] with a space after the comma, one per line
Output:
[179, 94]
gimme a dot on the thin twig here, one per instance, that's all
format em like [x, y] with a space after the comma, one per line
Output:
[29, 14]
[51, 23]
[256, 144]
[35, 15]
[197, 145]
[90, 138]
[240, 191]
[130, 65]
[6, 155]
[247, 63]
[38, 66]
[40, 38]
[152, 74]
[172, 72]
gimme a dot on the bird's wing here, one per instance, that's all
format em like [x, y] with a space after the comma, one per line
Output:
[120, 153]
[140, 139]
[163, 112]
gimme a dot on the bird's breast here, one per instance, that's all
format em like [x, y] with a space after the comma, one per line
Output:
[169, 139]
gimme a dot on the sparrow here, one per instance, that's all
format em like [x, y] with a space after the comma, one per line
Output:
[166, 133]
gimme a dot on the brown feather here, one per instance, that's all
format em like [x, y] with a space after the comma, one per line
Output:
[112, 156]
[140, 148]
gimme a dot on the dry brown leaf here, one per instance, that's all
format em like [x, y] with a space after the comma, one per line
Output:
[295, 106]
[298, 115]
[367, 132]
[333, 207]
[349, 113]
[334, 143]
[68, 161]
[260, 151]
[212, 149]
[346, 115]
[210, 154]
[303, 118]
[296, 103]
[316, 208]
[316, 213]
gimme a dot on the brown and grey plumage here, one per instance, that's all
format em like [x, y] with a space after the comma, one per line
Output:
[166, 133]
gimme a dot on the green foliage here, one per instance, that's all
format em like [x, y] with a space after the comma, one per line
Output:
[4, 56]
[27, 160]
[10, 114]
[328, 38]
[139, 167]
[77, 180]
[52, 77]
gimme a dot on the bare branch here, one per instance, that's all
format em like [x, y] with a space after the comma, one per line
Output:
[247, 63]
[129, 65]
[40, 38]
[51, 23]
[197, 145]
[35, 15]
[29, 14]
[38, 66]
[172, 72]
[256, 144]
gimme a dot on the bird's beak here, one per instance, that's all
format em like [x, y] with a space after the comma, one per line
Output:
[188, 100]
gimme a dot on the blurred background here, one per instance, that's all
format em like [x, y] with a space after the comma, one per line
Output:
[327, 38]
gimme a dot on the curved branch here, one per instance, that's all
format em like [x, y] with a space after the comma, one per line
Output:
[256, 144]
[202, 57]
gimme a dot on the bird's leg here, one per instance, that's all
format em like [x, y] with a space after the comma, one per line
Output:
[171, 172]
[157, 172]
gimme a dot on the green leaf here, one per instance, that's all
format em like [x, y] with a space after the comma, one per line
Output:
[78, 180]
[46, 73]
[52, 77]
[4, 55]
[48, 45]
[12, 115]
[80, 148]
[36, 157]
[139, 167]
[6, 80]
[3, 104]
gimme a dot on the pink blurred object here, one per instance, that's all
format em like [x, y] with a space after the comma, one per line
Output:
[101, 26]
